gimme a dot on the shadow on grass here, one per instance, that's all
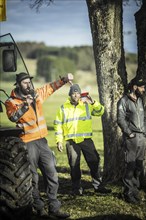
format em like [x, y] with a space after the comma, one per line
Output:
[112, 217]
[67, 170]
[64, 185]
[65, 182]
[104, 217]
[88, 196]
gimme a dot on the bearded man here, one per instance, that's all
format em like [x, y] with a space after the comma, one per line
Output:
[130, 118]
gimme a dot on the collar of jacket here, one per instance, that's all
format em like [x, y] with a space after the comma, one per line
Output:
[15, 94]
[131, 98]
[68, 102]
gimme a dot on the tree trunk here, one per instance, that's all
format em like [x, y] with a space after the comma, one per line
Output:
[106, 28]
[140, 18]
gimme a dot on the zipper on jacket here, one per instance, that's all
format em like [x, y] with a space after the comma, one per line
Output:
[137, 112]
[34, 108]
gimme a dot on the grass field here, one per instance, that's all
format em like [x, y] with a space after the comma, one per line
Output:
[90, 205]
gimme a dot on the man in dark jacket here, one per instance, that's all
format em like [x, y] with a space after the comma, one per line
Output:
[130, 117]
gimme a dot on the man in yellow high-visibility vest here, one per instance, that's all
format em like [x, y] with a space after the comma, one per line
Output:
[74, 124]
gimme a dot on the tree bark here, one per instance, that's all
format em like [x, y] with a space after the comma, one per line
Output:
[140, 17]
[106, 28]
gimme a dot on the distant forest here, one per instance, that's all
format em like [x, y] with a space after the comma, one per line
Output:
[54, 60]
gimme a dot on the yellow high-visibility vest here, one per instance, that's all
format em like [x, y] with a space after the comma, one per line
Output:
[75, 122]
[2, 10]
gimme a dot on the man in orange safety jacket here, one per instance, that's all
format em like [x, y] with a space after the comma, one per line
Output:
[24, 107]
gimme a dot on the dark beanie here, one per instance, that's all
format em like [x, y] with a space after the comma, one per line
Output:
[138, 81]
[74, 88]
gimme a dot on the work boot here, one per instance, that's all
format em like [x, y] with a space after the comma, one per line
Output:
[137, 196]
[131, 199]
[42, 213]
[77, 192]
[59, 215]
[103, 190]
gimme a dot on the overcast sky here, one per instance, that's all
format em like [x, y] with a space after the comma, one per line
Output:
[63, 23]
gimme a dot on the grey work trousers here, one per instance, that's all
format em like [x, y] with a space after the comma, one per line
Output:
[92, 158]
[134, 156]
[41, 156]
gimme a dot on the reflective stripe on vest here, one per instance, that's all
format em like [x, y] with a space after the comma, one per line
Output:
[78, 135]
[95, 111]
[31, 131]
[32, 122]
[57, 133]
[87, 117]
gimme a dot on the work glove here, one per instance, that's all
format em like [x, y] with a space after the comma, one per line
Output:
[69, 78]
[89, 100]
[60, 146]
[86, 98]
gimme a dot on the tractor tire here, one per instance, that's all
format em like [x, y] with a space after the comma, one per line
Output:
[15, 180]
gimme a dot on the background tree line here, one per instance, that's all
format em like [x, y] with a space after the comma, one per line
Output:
[54, 61]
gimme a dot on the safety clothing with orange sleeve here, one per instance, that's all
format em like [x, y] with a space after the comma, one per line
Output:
[74, 122]
[30, 117]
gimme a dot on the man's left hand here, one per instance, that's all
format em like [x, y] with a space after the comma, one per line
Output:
[69, 78]
[90, 100]
[60, 146]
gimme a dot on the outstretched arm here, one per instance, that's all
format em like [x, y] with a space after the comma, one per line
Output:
[49, 88]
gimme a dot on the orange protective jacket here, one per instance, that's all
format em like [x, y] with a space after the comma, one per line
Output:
[30, 118]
